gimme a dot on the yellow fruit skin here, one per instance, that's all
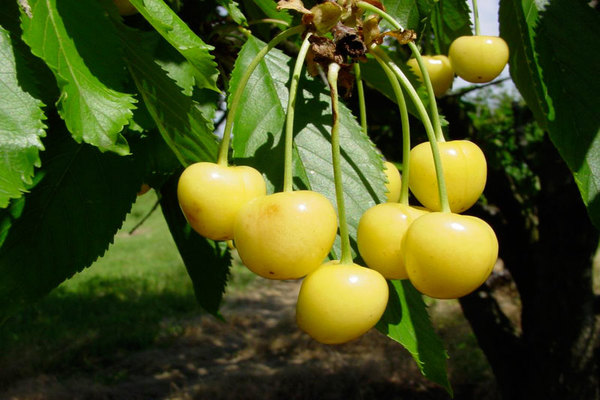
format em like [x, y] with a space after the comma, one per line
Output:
[447, 255]
[211, 195]
[285, 235]
[125, 7]
[465, 173]
[394, 181]
[440, 72]
[478, 59]
[338, 303]
[380, 232]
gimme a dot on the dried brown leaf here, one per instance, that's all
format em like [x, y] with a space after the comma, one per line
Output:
[371, 32]
[403, 37]
[296, 5]
[326, 16]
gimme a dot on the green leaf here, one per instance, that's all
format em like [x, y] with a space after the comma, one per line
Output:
[411, 14]
[267, 8]
[69, 218]
[176, 66]
[569, 54]
[233, 10]
[258, 139]
[406, 321]
[206, 261]
[21, 122]
[77, 42]
[182, 72]
[518, 19]
[159, 161]
[557, 85]
[183, 39]
[9, 215]
[178, 117]
[450, 19]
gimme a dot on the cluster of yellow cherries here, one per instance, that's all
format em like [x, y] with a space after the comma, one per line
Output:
[288, 234]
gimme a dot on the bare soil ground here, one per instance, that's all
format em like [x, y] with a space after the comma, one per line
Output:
[259, 353]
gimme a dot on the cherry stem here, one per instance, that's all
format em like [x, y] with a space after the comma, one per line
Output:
[405, 130]
[417, 54]
[269, 21]
[412, 93]
[332, 77]
[435, 116]
[288, 177]
[476, 17]
[362, 106]
[239, 90]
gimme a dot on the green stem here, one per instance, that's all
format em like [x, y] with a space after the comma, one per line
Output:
[332, 77]
[412, 93]
[361, 98]
[435, 116]
[476, 17]
[405, 130]
[269, 21]
[289, 123]
[239, 90]
[426, 79]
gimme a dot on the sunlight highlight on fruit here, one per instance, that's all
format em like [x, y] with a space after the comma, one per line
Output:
[285, 235]
[338, 303]
[440, 72]
[478, 59]
[210, 196]
[449, 255]
[465, 173]
[380, 236]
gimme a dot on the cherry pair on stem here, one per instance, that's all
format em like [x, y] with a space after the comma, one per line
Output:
[476, 59]
[283, 235]
[444, 254]
[287, 235]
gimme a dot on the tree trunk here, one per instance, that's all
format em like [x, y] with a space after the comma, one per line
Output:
[553, 358]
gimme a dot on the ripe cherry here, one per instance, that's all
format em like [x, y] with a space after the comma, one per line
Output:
[380, 233]
[285, 235]
[478, 59]
[210, 196]
[449, 255]
[340, 302]
[465, 173]
[440, 72]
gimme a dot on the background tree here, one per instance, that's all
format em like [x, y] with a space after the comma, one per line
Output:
[93, 106]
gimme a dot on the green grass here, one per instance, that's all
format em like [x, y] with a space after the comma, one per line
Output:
[134, 297]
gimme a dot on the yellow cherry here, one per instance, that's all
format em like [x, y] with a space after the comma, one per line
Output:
[465, 173]
[478, 59]
[440, 72]
[285, 235]
[448, 255]
[340, 302]
[210, 196]
[380, 232]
